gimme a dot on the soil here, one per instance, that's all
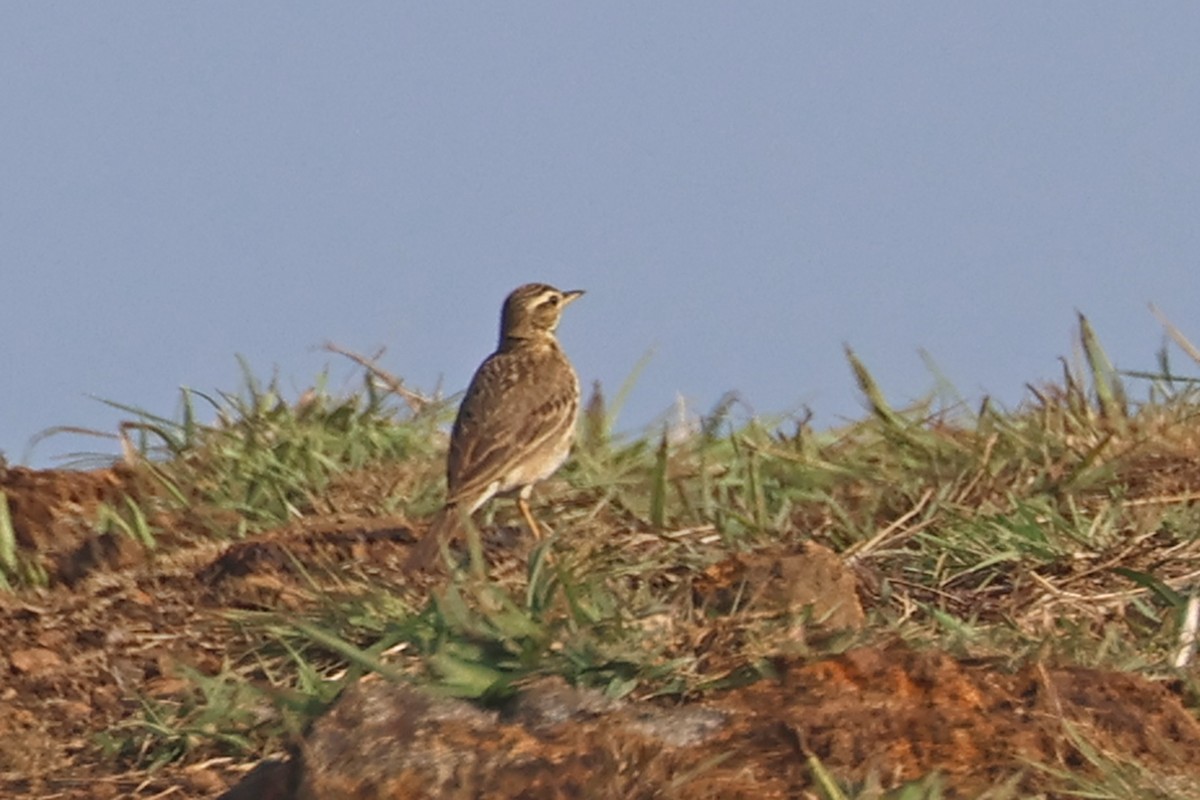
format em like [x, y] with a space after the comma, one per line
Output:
[120, 625]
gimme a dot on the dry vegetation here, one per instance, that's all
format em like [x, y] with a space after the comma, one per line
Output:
[171, 619]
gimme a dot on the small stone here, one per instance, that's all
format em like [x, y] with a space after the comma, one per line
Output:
[52, 640]
[102, 790]
[205, 781]
[73, 709]
[32, 660]
[168, 686]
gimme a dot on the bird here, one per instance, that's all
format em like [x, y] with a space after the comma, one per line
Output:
[517, 419]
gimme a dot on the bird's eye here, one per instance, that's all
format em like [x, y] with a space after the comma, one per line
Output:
[552, 299]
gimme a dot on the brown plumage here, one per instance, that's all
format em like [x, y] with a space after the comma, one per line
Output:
[517, 419]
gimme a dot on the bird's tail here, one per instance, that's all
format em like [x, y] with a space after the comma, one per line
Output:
[444, 527]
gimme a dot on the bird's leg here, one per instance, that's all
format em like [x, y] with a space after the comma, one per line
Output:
[523, 504]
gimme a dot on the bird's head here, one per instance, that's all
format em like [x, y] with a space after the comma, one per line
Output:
[533, 310]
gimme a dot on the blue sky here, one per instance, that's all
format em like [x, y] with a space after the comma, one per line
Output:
[741, 188]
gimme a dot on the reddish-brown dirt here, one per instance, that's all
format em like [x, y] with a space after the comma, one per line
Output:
[76, 659]
[888, 711]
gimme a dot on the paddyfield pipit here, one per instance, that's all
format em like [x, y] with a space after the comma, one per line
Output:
[517, 419]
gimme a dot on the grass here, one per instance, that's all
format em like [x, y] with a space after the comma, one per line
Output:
[1043, 532]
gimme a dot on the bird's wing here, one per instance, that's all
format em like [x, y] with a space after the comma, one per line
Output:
[505, 417]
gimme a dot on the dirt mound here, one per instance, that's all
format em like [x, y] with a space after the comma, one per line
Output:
[54, 512]
[80, 659]
[890, 712]
[280, 569]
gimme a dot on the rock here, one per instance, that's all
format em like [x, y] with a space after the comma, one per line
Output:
[34, 660]
[780, 581]
[891, 712]
[392, 741]
[271, 779]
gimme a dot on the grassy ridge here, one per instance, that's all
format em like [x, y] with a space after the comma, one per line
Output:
[1056, 531]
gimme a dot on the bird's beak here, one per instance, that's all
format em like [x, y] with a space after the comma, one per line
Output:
[572, 296]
